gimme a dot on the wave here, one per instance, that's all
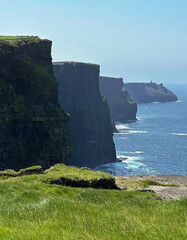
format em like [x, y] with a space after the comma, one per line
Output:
[179, 134]
[133, 131]
[132, 163]
[121, 153]
[129, 132]
[179, 101]
[155, 102]
[139, 152]
[129, 158]
[120, 133]
[121, 138]
[122, 126]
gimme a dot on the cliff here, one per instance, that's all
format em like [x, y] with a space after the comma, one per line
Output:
[150, 92]
[90, 123]
[32, 123]
[121, 106]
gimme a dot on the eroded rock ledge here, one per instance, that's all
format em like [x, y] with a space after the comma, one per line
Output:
[167, 187]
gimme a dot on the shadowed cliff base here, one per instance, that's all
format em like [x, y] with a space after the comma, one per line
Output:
[32, 123]
[150, 92]
[90, 123]
[122, 106]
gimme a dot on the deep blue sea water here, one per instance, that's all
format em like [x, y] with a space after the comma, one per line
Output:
[157, 142]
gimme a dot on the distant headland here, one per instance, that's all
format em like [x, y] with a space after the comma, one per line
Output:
[150, 92]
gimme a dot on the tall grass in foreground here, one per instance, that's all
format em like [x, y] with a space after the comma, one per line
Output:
[42, 211]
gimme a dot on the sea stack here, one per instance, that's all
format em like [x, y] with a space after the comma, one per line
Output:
[32, 123]
[122, 106]
[90, 123]
[150, 92]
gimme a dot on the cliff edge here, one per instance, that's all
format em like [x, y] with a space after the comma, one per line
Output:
[90, 124]
[149, 92]
[32, 123]
[122, 106]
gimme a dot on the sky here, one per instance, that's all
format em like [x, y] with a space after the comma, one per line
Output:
[139, 40]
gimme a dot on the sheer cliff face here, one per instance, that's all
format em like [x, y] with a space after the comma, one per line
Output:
[121, 106]
[90, 123]
[149, 92]
[32, 124]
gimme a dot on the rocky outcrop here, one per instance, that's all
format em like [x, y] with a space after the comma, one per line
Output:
[90, 124]
[150, 92]
[122, 106]
[100, 183]
[32, 123]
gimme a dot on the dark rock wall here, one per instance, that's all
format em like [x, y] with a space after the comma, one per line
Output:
[121, 106]
[90, 123]
[32, 124]
[149, 92]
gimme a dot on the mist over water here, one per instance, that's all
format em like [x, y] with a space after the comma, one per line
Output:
[154, 144]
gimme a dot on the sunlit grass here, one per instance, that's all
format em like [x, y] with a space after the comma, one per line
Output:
[132, 185]
[15, 40]
[32, 209]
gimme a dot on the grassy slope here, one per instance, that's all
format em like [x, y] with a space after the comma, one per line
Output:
[32, 209]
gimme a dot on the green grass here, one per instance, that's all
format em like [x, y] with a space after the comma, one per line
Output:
[134, 185]
[16, 40]
[56, 172]
[61, 170]
[32, 209]
[8, 172]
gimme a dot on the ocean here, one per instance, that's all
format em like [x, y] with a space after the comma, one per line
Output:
[156, 143]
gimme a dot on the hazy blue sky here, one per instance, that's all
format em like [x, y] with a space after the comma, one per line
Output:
[140, 40]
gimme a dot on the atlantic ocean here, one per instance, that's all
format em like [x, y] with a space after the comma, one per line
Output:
[157, 142]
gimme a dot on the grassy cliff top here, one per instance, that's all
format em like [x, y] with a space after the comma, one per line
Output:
[112, 78]
[16, 40]
[75, 63]
[55, 172]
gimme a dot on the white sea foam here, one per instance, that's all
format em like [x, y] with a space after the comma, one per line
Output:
[132, 163]
[179, 134]
[122, 126]
[155, 102]
[121, 138]
[133, 132]
[130, 132]
[120, 133]
[179, 101]
[139, 152]
[127, 158]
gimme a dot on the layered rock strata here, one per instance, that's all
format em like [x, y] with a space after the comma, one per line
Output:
[122, 106]
[150, 92]
[32, 123]
[90, 124]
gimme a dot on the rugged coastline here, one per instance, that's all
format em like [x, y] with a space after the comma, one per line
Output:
[32, 123]
[150, 92]
[90, 124]
[122, 106]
